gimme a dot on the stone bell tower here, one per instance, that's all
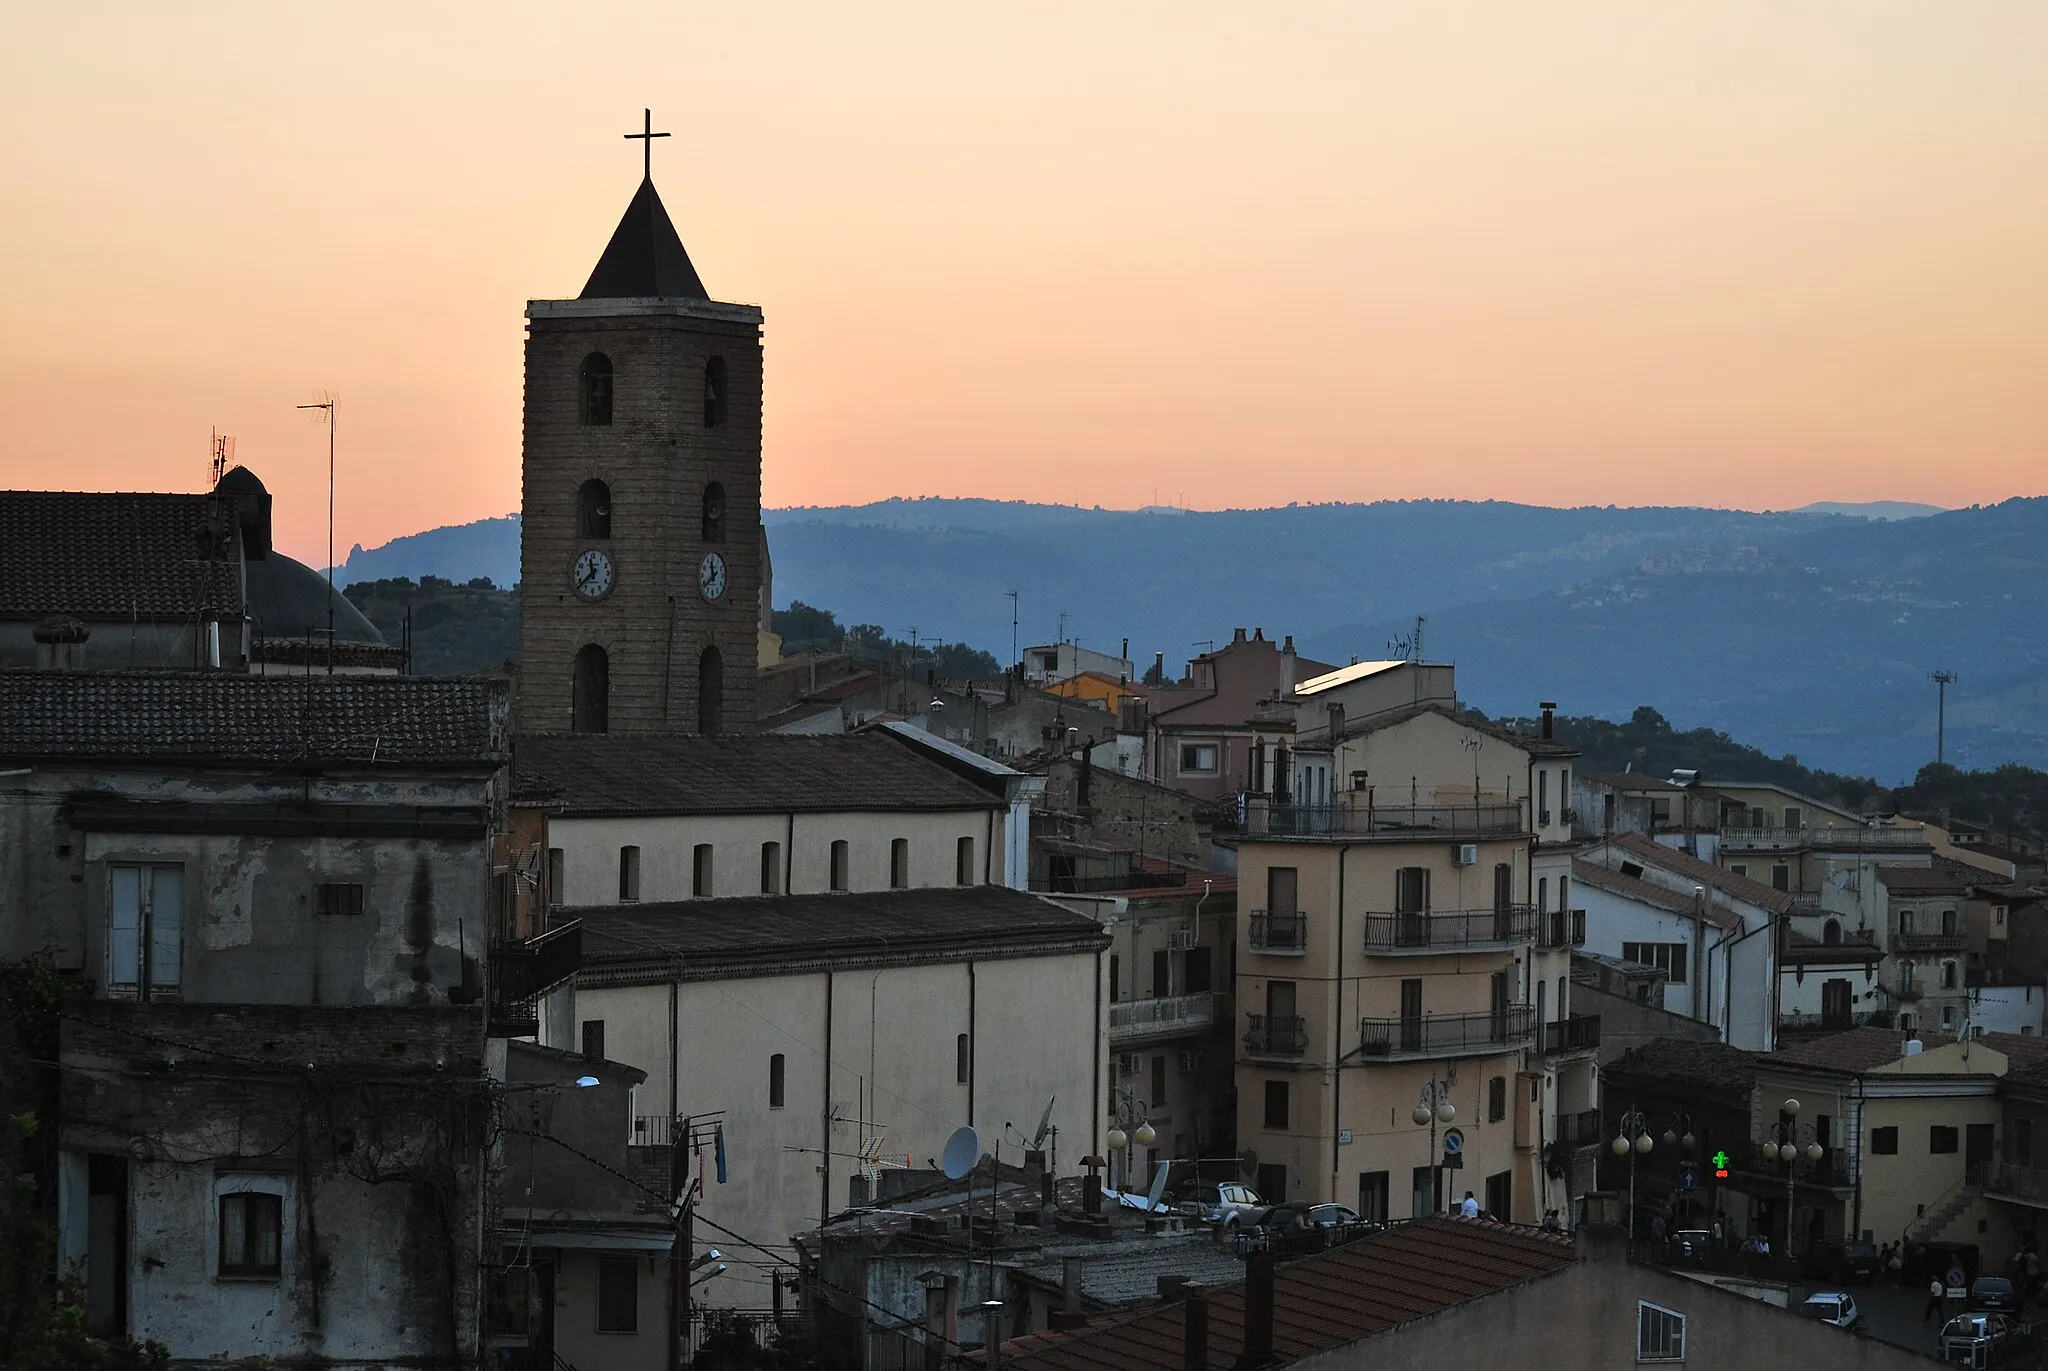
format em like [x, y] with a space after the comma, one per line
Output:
[640, 532]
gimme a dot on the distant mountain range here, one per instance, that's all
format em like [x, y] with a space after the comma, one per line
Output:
[1810, 633]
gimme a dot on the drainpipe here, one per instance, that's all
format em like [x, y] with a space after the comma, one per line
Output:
[1336, 1028]
[1856, 1152]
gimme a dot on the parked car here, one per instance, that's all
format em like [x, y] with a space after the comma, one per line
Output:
[1230, 1203]
[1830, 1306]
[1975, 1339]
[1831, 1259]
[1993, 1294]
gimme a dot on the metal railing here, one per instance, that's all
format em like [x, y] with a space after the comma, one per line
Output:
[1799, 1021]
[523, 970]
[1581, 1129]
[1438, 930]
[1446, 822]
[1164, 1014]
[1448, 1035]
[650, 1130]
[1278, 932]
[1768, 839]
[1560, 928]
[1574, 1034]
[2017, 1180]
[1275, 1035]
[1927, 942]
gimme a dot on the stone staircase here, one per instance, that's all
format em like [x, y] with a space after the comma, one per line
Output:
[1930, 1226]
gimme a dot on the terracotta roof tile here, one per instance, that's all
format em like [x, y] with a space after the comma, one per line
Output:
[1851, 1052]
[1705, 873]
[1649, 893]
[1690, 1063]
[1944, 876]
[113, 556]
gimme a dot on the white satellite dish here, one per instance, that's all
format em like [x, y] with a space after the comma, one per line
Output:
[1044, 1127]
[1152, 1205]
[963, 1150]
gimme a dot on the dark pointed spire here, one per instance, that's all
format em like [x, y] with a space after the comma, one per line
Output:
[645, 256]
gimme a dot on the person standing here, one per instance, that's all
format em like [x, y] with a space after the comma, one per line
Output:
[1935, 1291]
[1470, 1208]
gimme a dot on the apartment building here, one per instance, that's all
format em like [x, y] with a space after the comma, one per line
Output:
[1216, 733]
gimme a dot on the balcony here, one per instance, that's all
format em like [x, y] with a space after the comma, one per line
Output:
[521, 972]
[1448, 1035]
[1283, 935]
[2017, 1183]
[1359, 818]
[1449, 930]
[1560, 928]
[1805, 1023]
[1275, 1035]
[1831, 1171]
[1581, 1129]
[1857, 838]
[1927, 942]
[1167, 1016]
[1579, 1033]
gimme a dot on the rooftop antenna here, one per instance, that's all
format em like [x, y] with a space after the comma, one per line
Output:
[1942, 679]
[1013, 626]
[322, 407]
[223, 453]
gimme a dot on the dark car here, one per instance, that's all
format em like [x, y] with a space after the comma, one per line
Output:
[1993, 1294]
[1838, 1262]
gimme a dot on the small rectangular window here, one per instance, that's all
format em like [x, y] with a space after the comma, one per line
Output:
[1198, 759]
[1941, 1138]
[963, 862]
[331, 897]
[251, 1235]
[771, 868]
[1884, 1142]
[558, 893]
[1162, 973]
[1795, 818]
[1158, 1096]
[629, 873]
[1496, 1098]
[899, 863]
[1116, 966]
[593, 1039]
[1781, 877]
[1276, 1104]
[961, 1055]
[776, 1081]
[700, 871]
[1660, 1333]
[839, 864]
[618, 1294]
[1739, 868]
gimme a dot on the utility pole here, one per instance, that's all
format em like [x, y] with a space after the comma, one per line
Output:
[1942, 680]
[683, 1210]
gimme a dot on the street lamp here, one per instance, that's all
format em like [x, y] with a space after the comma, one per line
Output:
[1791, 1142]
[1120, 1138]
[1632, 1140]
[1433, 1106]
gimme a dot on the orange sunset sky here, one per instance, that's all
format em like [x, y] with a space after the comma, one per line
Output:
[1730, 252]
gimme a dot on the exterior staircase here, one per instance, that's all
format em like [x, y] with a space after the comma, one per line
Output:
[1930, 1226]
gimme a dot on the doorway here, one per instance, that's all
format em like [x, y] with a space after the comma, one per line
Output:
[1977, 1152]
[106, 1246]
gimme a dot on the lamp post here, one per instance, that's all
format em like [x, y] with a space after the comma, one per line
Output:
[1632, 1140]
[1433, 1106]
[1129, 1109]
[1791, 1142]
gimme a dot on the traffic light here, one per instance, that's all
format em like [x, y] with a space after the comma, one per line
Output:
[1720, 1160]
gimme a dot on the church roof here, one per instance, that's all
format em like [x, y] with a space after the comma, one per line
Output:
[645, 256]
[122, 556]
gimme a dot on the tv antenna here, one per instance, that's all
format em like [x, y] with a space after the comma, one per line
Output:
[1409, 645]
[322, 412]
[1014, 659]
[223, 452]
[1942, 679]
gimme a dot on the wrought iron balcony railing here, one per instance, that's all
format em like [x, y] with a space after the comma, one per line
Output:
[1449, 930]
[1448, 1035]
[1574, 1034]
[1279, 932]
[1275, 1035]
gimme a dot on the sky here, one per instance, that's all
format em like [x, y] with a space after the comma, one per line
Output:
[1726, 252]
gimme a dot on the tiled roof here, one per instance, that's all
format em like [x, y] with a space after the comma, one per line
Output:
[762, 773]
[228, 716]
[1689, 1064]
[1705, 873]
[1800, 950]
[1649, 893]
[2022, 1050]
[1127, 1271]
[99, 556]
[1534, 746]
[1945, 876]
[1851, 1052]
[1321, 1302]
[880, 923]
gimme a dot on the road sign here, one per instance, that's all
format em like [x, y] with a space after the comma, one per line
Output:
[1688, 1176]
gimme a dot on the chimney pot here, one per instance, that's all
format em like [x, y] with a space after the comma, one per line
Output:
[1194, 1342]
[1070, 1285]
[1258, 1312]
[1238, 637]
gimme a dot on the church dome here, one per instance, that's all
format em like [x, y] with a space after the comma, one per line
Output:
[287, 598]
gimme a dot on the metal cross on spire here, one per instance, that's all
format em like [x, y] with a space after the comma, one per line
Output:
[647, 135]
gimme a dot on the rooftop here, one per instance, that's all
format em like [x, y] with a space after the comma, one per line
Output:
[1629, 780]
[592, 775]
[1690, 1064]
[645, 257]
[1343, 676]
[1851, 1052]
[1946, 876]
[1705, 873]
[117, 555]
[1649, 893]
[217, 716]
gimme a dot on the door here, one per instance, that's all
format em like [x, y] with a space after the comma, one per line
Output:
[1162, 974]
[1422, 1192]
[1500, 1195]
[1411, 906]
[1372, 1196]
[106, 1246]
[1834, 1004]
[1411, 1015]
[1498, 1008]
[1976, 1151]
[1503, 901]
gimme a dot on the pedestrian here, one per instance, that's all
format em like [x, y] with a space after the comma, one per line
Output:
[1935, 1290]
[1718, 1234]
[1470, 1208]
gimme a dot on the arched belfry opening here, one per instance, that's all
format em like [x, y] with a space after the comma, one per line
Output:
[594, 510]
[594, 389]
[710, 692]
[714, 512]
[714, 392]
[590, 691]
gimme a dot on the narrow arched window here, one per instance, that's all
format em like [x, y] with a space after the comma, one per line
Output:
[710, 692]
[714, 513]
[590, 690]
[595, 390]
[594, 510]
[714, 392]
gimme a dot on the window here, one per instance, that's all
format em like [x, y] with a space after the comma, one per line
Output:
[1831, 932]
[1158, 1096]
[1195, 973]
[1422, 1192]
[1500, 1194]
[1198, 759]
[714, 513]
[595, 390]
[1781, 876]
[1795, 818]
[330, 897]
[558, 872]
[710, 693]
[1542, 795]
[145, 946]
[1941, 1139]
[594, 510]
[1660, 812]
[2023, 1141]
[700, 871]
[618, 1294]
[839, 864]
[961, 1053]
[629, 873]
[1543, 892]
[1660, 1333]
[1739, 868]
[590, 691]
[1049, 662]
[1884, 1142]
[1496, 1100]
[1276, 1104]
[1668, 958]
[776, 1081]
[771, 868]
[593, 1039]
[1116, 964]
[1948, 1018]
[963, 862]
[1948, 977]
[714, 392]
[899, 863]
[1282, 883]
[1372, 1196]
[1162, 974]
[251, 1235]
[1632, 870]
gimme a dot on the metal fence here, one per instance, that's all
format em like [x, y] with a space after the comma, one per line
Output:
[1434, 1035]
[1425, 930]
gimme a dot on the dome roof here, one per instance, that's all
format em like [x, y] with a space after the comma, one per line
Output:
[286, 598]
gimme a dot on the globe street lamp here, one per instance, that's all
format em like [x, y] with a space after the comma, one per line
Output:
[1632, 1140]
[1791, 1142]
[1433, 1106]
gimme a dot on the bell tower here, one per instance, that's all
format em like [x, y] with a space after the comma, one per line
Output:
[640, 530]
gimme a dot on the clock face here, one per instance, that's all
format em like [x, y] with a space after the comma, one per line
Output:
[593, 574]
[711, 576]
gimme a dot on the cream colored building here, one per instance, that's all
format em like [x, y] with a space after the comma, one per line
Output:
[1398, 945]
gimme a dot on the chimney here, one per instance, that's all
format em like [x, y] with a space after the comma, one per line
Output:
[1237, 636]
[1258, 635]
[1549, 708]
[1287, 666]
[1070, 1285]
[1258, 1313]
[1194, 1342]
[1091, 1193]
[1159, 666]
[1126, 653]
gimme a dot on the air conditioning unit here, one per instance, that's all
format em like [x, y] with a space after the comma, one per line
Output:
[1127, 1062]
[1184, 940]
[1466, 854]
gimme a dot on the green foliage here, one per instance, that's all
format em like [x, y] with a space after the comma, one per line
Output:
[2009, 797]
[457, 630]
[806, 628]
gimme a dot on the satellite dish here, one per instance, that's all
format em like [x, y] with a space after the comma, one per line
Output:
[1044, 1127]
[1158, 1189]
[963, 1150]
